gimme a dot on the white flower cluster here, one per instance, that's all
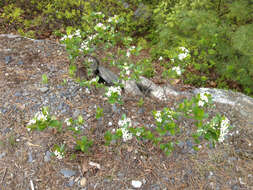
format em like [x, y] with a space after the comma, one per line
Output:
[100, 26]
[223, 129]
[76, 34]
[114, 19]
[39, 116]
[177, 70]
[85, 44]
[68, 121]
[113, 90]
[158, 116]
[126, 135]
[59, 155]
[126, 69]
[203, 99]
[183, 55]
[94, 80]
[125, 122]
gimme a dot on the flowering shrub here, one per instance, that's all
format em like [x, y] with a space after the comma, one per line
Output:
[42, 120]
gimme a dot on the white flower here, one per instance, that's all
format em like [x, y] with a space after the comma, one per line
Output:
[78, 33]
[113, 19]
[138, 134]
[223, 129]
[203, 99]
[100, 26]
[126, 135]
[76, 128]
[64, 38]
[84, 46]
[158, 116]
[32, 121]
[183, 55]
[58, 154]
[126, 69]
[172, 60]
[136, 184]
[159, 120]
[110, 19]
[124, 122]
[93, 80]
[160, 58]
[131, 48]
[68, 121]
[40, 116]
[112, 90]
[200, 131]
[177, 70]
[92, 37]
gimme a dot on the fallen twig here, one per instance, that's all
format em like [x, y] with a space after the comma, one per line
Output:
[5, 171]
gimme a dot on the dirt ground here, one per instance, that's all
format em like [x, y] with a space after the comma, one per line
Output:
[24, 160]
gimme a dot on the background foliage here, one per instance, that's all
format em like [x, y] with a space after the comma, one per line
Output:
[218, 33]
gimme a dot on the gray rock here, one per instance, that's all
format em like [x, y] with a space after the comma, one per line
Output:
[47, 157]
[8, 59]
[238, 101]
[109, 77]
[67, 172]
[44, 89]
[161, 93]
[131, 87]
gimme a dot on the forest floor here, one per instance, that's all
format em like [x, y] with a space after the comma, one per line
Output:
[25, 157]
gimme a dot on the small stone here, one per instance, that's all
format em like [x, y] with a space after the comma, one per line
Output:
[44, 89]
[76, 113]
[181, 144]
[30, 158]
[2, 155]
[8, 59]
[20, 62]
[71, 183]
[189, 143]
[83, 182]
[136, 184]
[235, 187]
[67, 172]
[141, 111]
[17, 94]
[115, 109]
[47, 156]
